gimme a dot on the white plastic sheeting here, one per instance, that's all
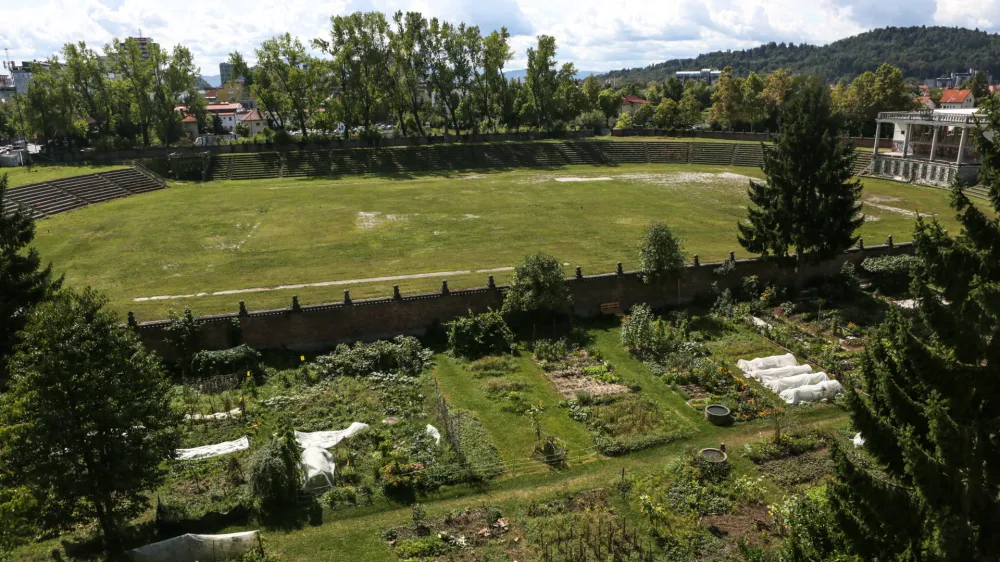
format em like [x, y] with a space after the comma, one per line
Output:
[811, 393]
[209, 451]
[858, 440]
[759, 323]
[765, 375]
[317, 467]
[433, 432]
[235, 412]
[771, 362]
[198, 548]
[327, 439]
[780, 385]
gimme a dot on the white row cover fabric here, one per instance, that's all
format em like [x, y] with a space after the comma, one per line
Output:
[811, 393]
[209, 451]
[765, 375]
[759, 323]
[433, 432]
[327, 439]
[198, 548]
[235, 412]
[771, 362]
[858, 440]
[317, 467]
[780, 385]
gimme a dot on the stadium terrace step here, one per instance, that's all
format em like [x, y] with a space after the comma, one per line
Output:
[57, 196]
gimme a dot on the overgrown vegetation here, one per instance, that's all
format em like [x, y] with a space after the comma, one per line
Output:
[477, 335]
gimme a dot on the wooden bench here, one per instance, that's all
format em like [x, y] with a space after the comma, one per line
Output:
[610, 308]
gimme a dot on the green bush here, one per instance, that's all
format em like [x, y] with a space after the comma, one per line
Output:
[422, 547]
[341, 496]
[275, 476]
[660, 253]
[240, 359]
[476, 335]
[890, 274]
[642, 333]
[403, 355]
[537, 287]
[546, 350]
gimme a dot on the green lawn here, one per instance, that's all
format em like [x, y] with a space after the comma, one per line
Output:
[48, 172]
[513, 433]
[199, 238]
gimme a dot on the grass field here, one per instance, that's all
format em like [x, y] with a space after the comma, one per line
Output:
[221, 236]
[48, 172]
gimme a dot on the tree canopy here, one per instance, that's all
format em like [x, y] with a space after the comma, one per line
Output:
[927, 485]
[87, 420]
[810, 203]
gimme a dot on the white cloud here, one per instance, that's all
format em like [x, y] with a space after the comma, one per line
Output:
[596, 35]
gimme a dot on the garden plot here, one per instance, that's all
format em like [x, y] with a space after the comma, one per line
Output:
[579, 372]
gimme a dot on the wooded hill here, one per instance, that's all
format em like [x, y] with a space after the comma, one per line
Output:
[920, 52]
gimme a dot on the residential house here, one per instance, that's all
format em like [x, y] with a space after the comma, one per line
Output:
[630, 104]
[707, 75]
[190, 126]
[957, 99]
[254, 121]
[211, 95]
[226, 112]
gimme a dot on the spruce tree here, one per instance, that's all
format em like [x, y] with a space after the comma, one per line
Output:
[927, 399]
[23, 281]
[809, 204]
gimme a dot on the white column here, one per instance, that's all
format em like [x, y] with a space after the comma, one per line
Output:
[961, 145]
[878, 129]
[933, 141]
[906, 137]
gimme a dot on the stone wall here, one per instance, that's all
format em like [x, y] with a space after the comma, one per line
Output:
[320, 326]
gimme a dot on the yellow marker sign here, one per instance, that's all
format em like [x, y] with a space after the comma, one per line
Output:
[302, 357]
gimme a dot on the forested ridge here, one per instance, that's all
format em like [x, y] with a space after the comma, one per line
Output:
[920, 52]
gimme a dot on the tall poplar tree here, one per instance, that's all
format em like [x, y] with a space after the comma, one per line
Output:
[810, 203]
[927, 398]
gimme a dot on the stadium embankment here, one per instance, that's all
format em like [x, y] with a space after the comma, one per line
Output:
[458, 157]
[303, 328]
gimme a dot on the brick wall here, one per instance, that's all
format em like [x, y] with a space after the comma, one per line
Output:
[320, 326]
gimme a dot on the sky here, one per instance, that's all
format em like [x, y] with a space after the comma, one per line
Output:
[594, 34]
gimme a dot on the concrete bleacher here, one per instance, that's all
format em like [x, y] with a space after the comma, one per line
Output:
[457, 157]
[57, 196]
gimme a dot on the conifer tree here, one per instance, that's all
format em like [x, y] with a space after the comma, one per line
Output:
[809, 204]
[927, 399]
[23, 281]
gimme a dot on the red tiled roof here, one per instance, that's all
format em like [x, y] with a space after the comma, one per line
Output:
[189, 119]
[954, 96]
[632, 99]
[252, 116]
[227, 113]
[994, 89]
[222, 107]
[211, 93]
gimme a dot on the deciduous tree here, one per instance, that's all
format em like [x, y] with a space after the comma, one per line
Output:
[87, 418]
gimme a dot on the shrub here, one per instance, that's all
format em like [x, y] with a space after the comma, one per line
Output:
[476, 335]
[624, 121]
[182, 333]
[551, 452]
[537, 287]
[642, 333]
[238, 359]
[890, 274]
[422, 547]
[275, 475]
[594, 120]
[546, 350]
[337, 497]
[400, 478]
[403, 355]
[660, 253]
